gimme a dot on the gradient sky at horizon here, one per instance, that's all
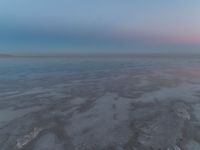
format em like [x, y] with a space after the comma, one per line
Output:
[67, 26]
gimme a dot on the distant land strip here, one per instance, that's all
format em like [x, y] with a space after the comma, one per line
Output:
[103, 55]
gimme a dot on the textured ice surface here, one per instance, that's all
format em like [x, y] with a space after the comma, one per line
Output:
[138, 104]
[26, 139]
[8, 115]
[106, 123]
[192, 145]
[197, 111]
[48, 142]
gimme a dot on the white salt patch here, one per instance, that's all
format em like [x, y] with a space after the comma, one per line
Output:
[28, 138]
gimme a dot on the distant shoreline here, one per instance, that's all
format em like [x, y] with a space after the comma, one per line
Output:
[149, 55]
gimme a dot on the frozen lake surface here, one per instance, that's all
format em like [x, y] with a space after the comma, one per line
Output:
[96, 104]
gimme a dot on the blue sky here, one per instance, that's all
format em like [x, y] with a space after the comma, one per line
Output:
[68, 26]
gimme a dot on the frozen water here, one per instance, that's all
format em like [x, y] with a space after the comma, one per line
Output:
[87, 104]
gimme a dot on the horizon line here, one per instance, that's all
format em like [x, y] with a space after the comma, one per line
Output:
[98, 55]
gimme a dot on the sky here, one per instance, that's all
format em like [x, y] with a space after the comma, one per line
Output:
[96, 26]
